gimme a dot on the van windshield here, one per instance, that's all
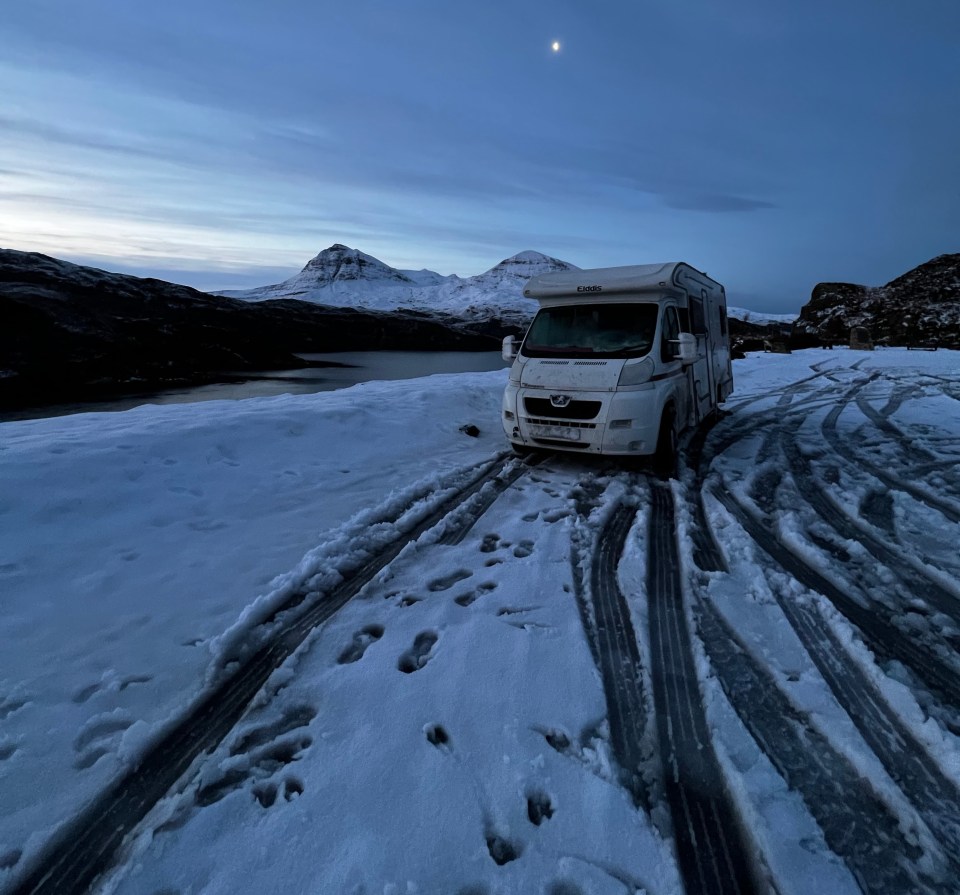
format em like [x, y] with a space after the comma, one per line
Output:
[601, 330]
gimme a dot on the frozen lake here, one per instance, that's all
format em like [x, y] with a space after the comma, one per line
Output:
[360, 366]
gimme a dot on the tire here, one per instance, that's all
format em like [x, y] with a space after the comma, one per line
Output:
[522, 450]
[665, 456]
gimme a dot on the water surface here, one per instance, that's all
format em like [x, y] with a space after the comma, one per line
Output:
[363, 366]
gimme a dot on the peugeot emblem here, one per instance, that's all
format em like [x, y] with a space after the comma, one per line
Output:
[559, 400]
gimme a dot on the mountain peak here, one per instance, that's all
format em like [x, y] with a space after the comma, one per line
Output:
[529, 256]
[340, 263]
[528, 264]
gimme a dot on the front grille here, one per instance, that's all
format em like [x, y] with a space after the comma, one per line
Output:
[567, 424]
[569, 445]
[575, 410]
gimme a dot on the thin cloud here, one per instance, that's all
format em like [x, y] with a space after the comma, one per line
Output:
[716, 203]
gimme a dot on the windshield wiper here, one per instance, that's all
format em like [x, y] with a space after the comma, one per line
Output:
[563, 349]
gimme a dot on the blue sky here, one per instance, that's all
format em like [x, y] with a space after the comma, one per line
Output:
[771, 143]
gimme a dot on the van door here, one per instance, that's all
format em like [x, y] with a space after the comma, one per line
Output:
[669, 332]
[701, 372]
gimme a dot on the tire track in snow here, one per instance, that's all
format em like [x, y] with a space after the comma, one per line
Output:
[707, 553]
[877, 625]
[915, 772]
[619, 658]
[889, 478]
[934, 665]
[906, 761]
[82, 848]
[921, 586]
[904, 758]
[898, 397]
[856, 824]
[908, 446]
[487, 492]
[711, 846]
[882, 422]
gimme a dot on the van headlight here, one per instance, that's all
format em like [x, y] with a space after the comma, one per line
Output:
[636, 373]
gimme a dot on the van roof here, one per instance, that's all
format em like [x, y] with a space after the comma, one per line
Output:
[632, 278]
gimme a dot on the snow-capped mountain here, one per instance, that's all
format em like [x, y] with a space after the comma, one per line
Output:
[344, 277]
[757, 317]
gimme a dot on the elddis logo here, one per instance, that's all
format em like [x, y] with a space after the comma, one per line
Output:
[589, 288]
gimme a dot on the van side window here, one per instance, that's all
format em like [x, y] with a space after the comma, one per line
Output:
[684, 320]
[669, 333]
[698, 325]
[723, 320]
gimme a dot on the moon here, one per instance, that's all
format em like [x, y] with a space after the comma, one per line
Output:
[555, 46]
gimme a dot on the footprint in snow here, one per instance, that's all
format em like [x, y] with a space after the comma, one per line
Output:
[564, 887]
[11, 704]
[523, 549]
[448, 581]
[437, 735]
[490, 543]
[473, 595]
[502, 850]
[266, 793]
[419, 654]
[111, 682]
[292, 719]
[257, 754]
[96, 737]
[539, 806]
[361, 640]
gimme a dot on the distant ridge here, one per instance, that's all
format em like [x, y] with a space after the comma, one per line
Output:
[341, 276]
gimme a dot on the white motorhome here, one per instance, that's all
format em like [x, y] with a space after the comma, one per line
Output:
[618, 360]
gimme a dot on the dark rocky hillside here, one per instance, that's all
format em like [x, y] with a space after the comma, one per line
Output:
[920, 308]
[746, 336]
[69, 332]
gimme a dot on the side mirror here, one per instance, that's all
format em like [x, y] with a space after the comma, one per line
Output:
[510, 349]
[686, 348]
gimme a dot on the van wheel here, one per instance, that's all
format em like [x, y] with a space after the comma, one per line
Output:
[665, 456]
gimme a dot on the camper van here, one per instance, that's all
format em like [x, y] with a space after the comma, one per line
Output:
[618, 360]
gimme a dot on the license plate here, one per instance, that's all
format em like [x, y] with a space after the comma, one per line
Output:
[564, 433]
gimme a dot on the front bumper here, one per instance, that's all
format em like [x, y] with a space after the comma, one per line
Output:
[625, 423]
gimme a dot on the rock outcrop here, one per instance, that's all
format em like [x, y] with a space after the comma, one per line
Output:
[920, 308]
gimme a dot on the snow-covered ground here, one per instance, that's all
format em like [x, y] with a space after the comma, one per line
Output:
[447, 730]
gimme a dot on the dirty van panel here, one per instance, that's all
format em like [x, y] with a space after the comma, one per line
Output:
[698, 322]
